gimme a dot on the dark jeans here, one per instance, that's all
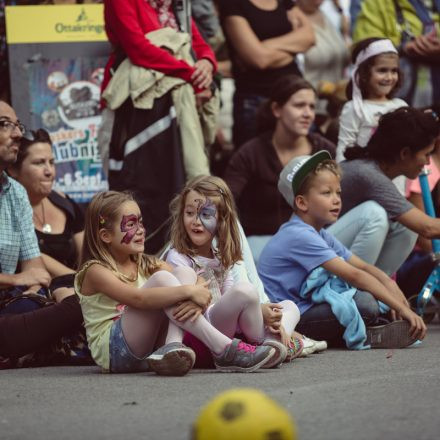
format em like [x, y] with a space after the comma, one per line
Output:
[413, 274]
[319, 322]
[245, 117]
[26, 332]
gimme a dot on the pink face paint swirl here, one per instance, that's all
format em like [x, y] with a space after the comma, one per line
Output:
[130, 224]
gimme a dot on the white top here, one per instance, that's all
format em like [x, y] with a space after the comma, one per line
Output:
[356, 131]
[208, 268]
[328, 57]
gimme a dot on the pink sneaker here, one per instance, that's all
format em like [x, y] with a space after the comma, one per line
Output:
[241, 357]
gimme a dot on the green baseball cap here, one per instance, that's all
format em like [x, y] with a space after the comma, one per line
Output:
[294, 173]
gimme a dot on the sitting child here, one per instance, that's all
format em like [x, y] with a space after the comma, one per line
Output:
[205, 237]
[311, 185]
[130, 300]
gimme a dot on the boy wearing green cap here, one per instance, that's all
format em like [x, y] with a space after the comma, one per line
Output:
[311, 185]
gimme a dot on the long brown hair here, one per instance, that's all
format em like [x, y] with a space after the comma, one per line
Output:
[228, 237]
[103, 212]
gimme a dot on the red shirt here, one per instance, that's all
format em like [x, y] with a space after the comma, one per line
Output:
[127, 22]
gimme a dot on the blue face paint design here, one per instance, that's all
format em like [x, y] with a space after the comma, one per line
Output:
[206, 213]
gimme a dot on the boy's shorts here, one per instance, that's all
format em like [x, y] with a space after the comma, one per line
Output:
[122, 360]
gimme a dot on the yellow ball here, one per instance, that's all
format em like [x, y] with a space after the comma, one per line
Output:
[243, 414]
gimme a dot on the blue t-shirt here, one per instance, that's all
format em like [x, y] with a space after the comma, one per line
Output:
[289, 257]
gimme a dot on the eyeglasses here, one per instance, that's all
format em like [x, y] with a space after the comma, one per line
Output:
[6, 125]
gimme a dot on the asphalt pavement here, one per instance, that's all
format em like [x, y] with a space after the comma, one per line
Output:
[338, 394]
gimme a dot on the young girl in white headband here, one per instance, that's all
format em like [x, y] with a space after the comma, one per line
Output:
[375, 79]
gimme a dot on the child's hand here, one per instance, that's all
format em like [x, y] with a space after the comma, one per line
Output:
[200, 294]
[285, 338]
[272, 314]
[187, 310]
[200, 280]
[418, 327]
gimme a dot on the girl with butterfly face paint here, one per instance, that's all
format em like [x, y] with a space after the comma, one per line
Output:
[205, 237]
[128, 298]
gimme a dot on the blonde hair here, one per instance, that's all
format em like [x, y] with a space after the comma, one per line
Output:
[228, 237]
[102, 212]
[325, 165]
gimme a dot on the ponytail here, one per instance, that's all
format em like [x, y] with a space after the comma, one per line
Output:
[356, 152]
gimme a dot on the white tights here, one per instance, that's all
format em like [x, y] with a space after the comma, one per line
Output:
[142, 328]
[240, 308]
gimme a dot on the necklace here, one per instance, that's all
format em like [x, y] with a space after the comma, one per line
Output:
[46, 227]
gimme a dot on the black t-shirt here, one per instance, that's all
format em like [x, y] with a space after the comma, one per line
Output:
[61, 246]
[265, 24]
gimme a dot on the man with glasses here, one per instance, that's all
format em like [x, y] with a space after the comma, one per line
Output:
[25, 326]
[18, 242]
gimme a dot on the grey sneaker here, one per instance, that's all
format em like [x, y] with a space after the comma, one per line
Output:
[280, 353]
[241, 357]
[173, 359]
[392, 335]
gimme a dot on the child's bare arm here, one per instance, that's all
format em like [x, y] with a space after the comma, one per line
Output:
[101, 279]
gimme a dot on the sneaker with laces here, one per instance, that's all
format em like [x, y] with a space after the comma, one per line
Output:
[241, 357]
[311, 346]
[280, 353]
[392, 335]
[173, 359]
[319, 346]
[296, 346]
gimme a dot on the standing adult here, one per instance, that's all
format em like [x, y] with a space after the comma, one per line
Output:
[263, 36]
[414, 28]
[253, 171]
[153, 148]
[21, 268]
[326, 60]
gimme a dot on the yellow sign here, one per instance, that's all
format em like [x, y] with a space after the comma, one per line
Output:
[55, 24]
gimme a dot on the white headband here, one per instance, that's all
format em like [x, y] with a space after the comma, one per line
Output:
[376, 48]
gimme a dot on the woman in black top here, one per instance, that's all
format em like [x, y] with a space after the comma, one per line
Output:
[252, 174]
[263, 37]
[58, 220]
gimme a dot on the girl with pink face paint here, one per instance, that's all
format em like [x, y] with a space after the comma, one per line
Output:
[130, 300]
[205, 237]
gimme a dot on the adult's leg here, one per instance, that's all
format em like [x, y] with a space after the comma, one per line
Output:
[257, 244]
[363, 230]
[27, 332]
[319, 322]
[239, 307]
[398, 245]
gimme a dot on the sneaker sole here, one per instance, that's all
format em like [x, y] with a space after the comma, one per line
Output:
[393, 335]
[278, 358]
[174, 363]
[236, 369]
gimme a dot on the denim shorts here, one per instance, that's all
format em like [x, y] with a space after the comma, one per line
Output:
[122, 360]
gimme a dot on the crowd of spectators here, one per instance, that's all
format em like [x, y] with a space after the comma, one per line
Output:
[290, 63]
